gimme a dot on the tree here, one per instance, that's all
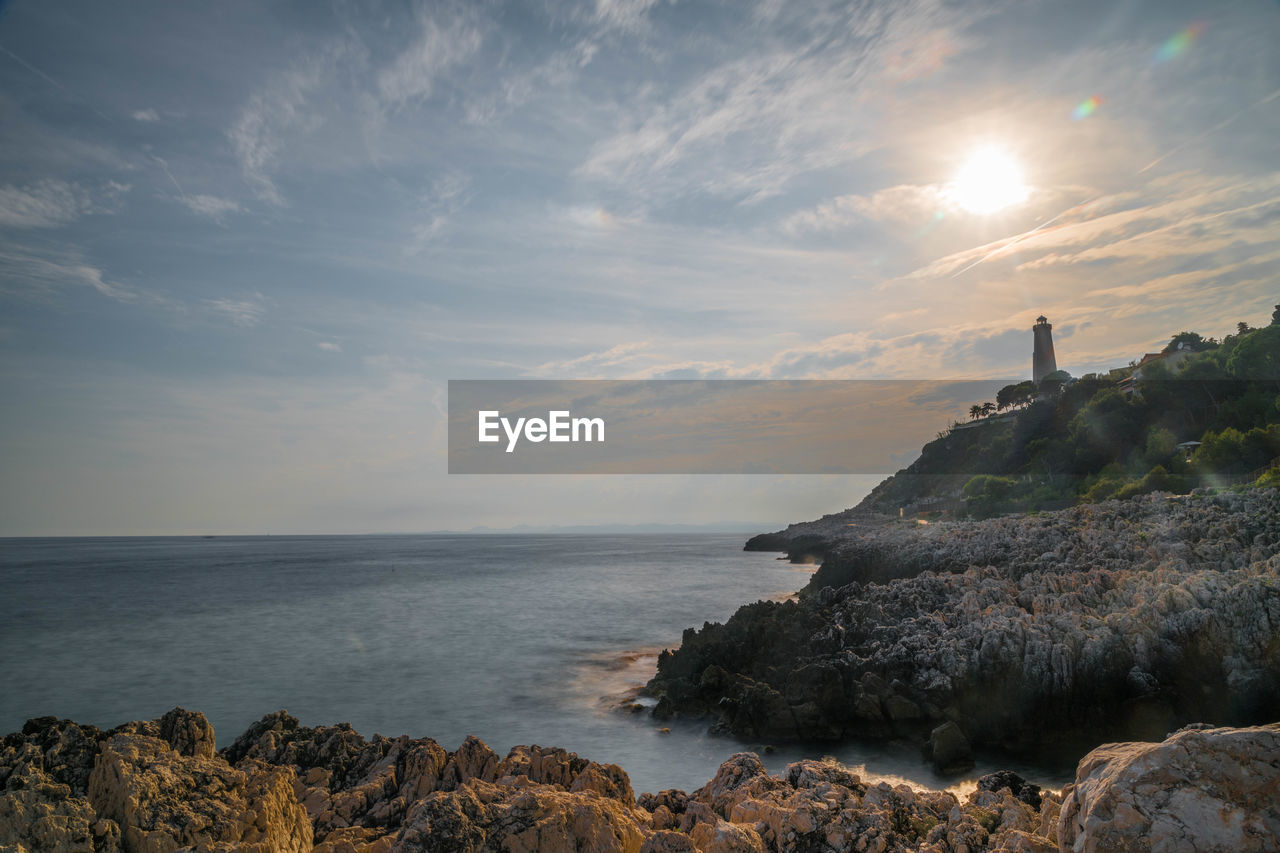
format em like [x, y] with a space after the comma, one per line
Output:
[1019, 394]
[975, 412]
[1189, 340]
[1275, 316]
[1257, 356]
[988, 409]
[1234, 452]
[1107, 428]
[1053, 382]
[1243, 328]
[986, 494]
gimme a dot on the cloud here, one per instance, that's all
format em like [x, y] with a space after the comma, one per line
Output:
[265, 125]
[328, 346]
[834, 357]
[214, 207]
[242, 312]
[516, 89]
[49, 272]
[623, 15]
[615, 356]
[750, 125]
[45, 204]
[903, 204]
[446, 197]
[1184, 214]
[438, 47]
[147, 115]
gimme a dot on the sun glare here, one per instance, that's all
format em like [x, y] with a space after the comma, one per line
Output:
[989, 181]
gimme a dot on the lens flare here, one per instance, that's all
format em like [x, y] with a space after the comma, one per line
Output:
[1086, 108]
[1178, 44]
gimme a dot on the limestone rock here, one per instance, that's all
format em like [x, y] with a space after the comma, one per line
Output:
[164, 801]
[1120, 620]
[665, 841]
[723, 837]
[39, 814]
[189, 732]
[473, 760]
[481, 816]
[66, 750]
[1208, 790]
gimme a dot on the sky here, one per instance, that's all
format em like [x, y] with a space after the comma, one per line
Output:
[243, 246]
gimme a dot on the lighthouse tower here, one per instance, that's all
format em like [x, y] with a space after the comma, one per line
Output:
[1042, 360]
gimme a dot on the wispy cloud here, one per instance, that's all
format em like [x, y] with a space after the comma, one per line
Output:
[623, 15]
[749, 126]
[214, 207]
[1168, 217]
[243, 312]
[264, 128]
[441, 43]
[905, 203]
[615, 356]
[147, 115]
[35, 272]
[446, 196]
[557, 72]
[45, 204]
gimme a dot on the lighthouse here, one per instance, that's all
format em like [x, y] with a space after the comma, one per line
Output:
[1042, 360]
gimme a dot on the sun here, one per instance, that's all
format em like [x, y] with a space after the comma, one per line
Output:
[990, 180]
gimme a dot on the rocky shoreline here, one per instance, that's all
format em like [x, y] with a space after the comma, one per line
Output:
[162, 786]
[1120, 620]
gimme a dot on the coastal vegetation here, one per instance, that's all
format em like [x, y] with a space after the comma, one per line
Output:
[1203, 412]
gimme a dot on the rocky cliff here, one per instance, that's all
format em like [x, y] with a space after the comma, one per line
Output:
[159, 787]
[1122, 619]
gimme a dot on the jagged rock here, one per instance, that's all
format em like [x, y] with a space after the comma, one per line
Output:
[189, 732]
[1019, 787]
[354, 839]
[1208, 790]
[1119, 620]
[66, 750]
[665, 841]
[482, 816]
[344, 780]
[164, 801]
[40, 814]
[724, 837]
[1017, 841]
[1213, 789]
[554, 766]
[473, 760]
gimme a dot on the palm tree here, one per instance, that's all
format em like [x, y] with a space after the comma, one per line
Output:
[975, 412]
[988, 408]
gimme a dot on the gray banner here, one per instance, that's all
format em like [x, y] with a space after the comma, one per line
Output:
[723, 426]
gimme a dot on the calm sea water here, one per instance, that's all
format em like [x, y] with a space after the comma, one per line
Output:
[515, 639]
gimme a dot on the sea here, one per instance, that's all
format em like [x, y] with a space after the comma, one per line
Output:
[516, 639]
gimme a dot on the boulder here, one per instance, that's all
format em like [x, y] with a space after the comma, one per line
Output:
[1207, 790]
[948, 750]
